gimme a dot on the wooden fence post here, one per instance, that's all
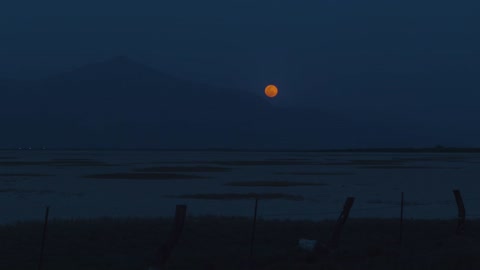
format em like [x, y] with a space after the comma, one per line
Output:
[333, 243]
[401, 218]
[461, 212]
[44, 238]
[167, 248]
[252, 239]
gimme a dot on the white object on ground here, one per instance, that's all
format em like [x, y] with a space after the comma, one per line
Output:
[307, 244]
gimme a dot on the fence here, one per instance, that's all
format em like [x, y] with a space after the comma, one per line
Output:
[333, 243]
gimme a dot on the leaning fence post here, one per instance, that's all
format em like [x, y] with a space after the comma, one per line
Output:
[333, 243]
[167, 248]
[44, 238]
[461, 211]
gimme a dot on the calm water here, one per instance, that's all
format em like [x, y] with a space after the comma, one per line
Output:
[375, 180]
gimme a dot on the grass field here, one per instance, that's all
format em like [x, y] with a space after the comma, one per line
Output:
[223, 243]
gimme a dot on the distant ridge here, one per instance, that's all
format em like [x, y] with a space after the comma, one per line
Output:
[117, 67]
[119, 103]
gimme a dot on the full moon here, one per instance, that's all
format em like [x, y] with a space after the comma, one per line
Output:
[271, 91]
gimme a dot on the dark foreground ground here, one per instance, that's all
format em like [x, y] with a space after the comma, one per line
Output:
[223, 243]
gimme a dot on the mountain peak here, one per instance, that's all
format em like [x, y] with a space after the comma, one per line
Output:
[119, 60]
[115, 68]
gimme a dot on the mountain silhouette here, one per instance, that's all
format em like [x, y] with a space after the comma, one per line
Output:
[119, 103]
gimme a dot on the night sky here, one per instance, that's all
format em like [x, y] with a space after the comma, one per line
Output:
[412, 64]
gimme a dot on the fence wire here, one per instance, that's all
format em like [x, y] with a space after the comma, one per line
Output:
[407, 205]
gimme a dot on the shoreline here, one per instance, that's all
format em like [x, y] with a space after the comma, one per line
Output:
[437, 149]
[169, 218]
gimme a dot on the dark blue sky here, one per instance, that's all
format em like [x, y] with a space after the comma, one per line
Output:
[401, 57]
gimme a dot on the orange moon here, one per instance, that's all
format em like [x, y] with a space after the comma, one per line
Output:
[271, 91]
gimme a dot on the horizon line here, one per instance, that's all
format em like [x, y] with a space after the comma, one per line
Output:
[436, 149]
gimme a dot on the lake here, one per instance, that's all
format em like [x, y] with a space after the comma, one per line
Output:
[294, 185]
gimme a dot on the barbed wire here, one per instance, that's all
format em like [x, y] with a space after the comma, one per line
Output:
[363, 209]
[387, 205]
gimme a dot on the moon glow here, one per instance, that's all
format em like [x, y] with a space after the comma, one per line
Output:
[271, 91]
